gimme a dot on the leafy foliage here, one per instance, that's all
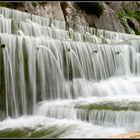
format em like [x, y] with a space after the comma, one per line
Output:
[132, 14]
[5, 4]
[137, 32]
[34, 4]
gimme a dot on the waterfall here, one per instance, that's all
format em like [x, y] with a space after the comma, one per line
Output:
[10, 88]
[78, 80]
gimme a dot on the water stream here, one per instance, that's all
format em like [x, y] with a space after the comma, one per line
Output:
[66, 83]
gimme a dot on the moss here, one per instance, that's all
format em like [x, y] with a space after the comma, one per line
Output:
[132, 13]
[51, 132]
[126, 26]
[137, 32]
[137, 15]
[125, 15]
[12, 4]
[129, 13]
[91, 8]
[5, 4]
[13, 133]
[121, 14]
[56, 132]
[24, 133]
[34, 4]
[110, 106]
[41, 133]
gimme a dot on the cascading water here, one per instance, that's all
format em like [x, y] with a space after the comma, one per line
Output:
[57, 81]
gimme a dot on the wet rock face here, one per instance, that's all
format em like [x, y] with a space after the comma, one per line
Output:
[47, 9]
[108, 20]
[116, 6]
[127, 28]
[121, 5]
[73, 14]
[50, 9]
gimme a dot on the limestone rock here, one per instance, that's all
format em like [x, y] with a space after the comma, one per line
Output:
[107, 21]
[73, 14]
[50, 9]
[47, 9]
[116, 6]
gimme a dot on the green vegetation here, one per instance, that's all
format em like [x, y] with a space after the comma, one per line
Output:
[24, 133]
[13, 133]
[130, 13]
[127, 13]
[34, 4]
[137, 32]
[91, 8]
[41, 133]
[51, 132]
[127, 28]
[110, 106]
[12, 5]
[5, 4]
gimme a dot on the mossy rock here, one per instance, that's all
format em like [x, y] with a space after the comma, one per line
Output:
[24, 133]
[13, 133]
[117, 106]
[137, 32]
[44, 133]
[6, 4]
[126, 26]
[34, 4]
[50, 132]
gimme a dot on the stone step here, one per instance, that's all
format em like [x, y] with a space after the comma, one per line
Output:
[85, 54]
[34, 29]
[124, 111]
[43, 127]
[57, 39]
[135, 42]
[23, 16]
[114, 105]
